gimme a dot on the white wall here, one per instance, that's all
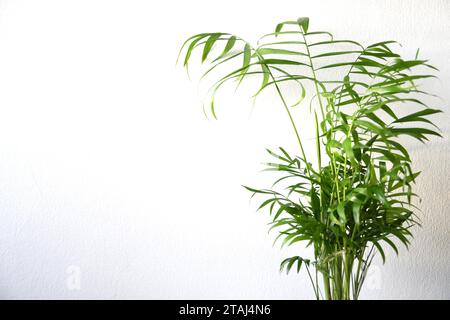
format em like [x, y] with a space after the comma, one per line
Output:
[109, 170]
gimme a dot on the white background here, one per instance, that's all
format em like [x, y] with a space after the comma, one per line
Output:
[110, 171]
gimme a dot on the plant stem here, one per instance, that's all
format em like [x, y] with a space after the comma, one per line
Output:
[314, 76]
[326, 283]
[288, 112]
[348, 263]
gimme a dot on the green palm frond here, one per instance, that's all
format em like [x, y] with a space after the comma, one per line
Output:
[356, 200]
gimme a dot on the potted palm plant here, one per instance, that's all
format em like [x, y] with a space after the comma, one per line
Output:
[353, 196]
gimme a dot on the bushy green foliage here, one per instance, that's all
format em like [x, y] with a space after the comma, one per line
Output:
[356, 197]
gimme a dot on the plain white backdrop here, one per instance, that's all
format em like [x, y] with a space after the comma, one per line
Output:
[114, 185]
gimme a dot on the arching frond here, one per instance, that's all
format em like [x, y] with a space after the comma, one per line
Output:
[356, 199]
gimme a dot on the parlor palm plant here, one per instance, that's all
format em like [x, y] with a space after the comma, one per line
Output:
[355, 198]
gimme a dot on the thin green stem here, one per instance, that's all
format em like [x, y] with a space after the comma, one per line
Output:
[286, 107]
[326, 282]
[314, 76]
[315, 288]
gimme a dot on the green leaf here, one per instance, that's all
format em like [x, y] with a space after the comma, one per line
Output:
[334, 219]
[360, 63]
[193, 38]
[266, 203]
[315, 202]
[288, 263]
[192, 46]
[383, 44]
[393, 246]
[334, 42]
[282, 62]
[281, 43]
[247, 57]
[264, 51]
[400, 65]
[286, 159]
[303, 23]
[302, 96]
[298, 239]
[418, 133]
[380, 250]
[337, 53]
[356, 208]
[418, 116]
[341, 213]
[280, 211]
[209, 44]
[258, 191]
[230, 44]
[347, 146]
[280, 26]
